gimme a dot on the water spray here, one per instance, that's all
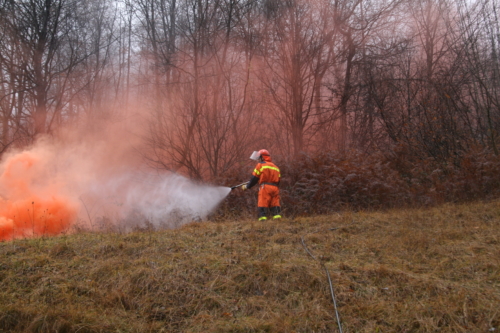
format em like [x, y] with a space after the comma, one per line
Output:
[43, 191]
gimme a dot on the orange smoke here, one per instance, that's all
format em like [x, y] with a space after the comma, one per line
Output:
[31, 201]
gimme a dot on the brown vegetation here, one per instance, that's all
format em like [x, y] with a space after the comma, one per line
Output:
[215, 80]
[364, 105]
[333, 182]
[421, 270]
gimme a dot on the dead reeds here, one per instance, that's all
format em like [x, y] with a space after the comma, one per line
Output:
[397, 271]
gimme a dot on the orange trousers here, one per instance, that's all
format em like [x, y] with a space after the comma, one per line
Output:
[269, 196]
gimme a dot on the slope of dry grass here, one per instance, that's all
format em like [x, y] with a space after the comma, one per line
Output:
[397, 271]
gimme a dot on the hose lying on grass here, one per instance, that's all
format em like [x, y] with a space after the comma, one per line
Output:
[329, 282]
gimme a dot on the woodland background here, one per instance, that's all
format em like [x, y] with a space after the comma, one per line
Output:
[362, 103]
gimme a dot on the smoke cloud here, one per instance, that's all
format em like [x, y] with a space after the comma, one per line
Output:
[57, 186]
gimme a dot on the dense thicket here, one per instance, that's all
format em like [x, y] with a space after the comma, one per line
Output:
[412, 87]
[333, 182]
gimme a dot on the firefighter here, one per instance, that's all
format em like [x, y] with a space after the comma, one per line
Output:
[268, 176]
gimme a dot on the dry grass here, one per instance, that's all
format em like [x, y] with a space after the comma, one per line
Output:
[397, 271]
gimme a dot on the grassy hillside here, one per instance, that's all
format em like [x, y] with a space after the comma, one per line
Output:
[397, 271]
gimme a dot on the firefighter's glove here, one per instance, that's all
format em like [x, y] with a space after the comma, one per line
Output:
[244, 187]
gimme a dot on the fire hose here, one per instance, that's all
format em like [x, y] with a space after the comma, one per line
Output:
[329, 282]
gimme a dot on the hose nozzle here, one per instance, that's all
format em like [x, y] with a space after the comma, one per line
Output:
[236, 186]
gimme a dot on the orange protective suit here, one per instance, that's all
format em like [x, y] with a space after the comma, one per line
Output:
[268, 176]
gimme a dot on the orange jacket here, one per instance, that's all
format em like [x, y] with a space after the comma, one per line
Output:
[265, 172]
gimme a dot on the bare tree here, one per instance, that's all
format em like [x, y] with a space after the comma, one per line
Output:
[479, 34]
[208, 109]
[298, 51]
[49, 52]
[98, 89]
